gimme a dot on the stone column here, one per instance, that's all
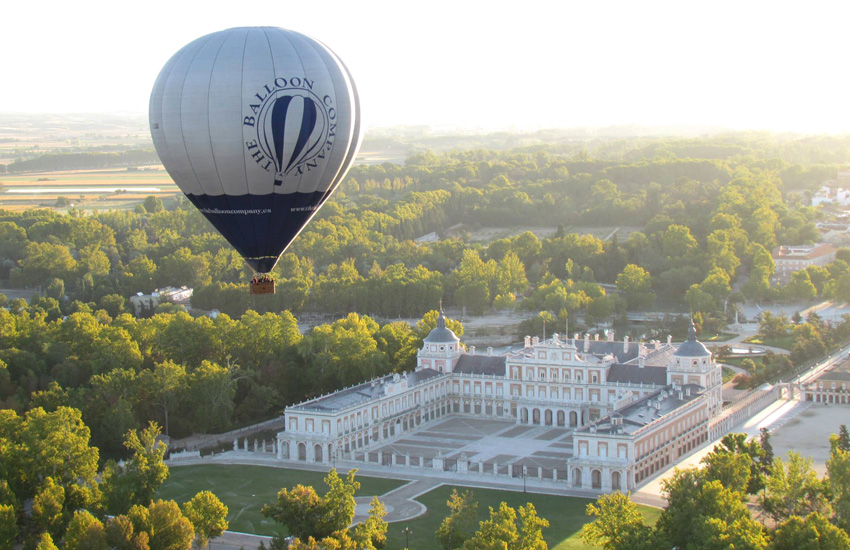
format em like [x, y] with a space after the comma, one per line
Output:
[264, 445]
[480, 466]
[463, 464]
[255, 445]
[245, 444]
[510, 470]
[495, 468]
[407, 459]
[235, 443]
[540, 472]
[393, 459]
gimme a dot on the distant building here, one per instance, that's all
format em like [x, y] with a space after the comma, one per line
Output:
[789, 259]
[634, 406]
[148, 302]
[831, 195]
[833, 386]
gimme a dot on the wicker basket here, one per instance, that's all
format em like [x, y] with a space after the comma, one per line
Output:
[266, 287]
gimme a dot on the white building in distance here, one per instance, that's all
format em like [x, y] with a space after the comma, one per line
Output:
[634, 407]
[148, 302]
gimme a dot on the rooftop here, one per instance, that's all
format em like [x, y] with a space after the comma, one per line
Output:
[354, 395]
[481, 364]
[802, 252]
[632, 418]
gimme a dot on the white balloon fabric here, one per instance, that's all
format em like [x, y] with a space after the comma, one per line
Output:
[257, 126]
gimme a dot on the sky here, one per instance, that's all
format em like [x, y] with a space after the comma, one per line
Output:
[468, 64]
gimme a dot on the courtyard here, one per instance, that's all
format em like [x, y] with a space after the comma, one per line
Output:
[480, 445]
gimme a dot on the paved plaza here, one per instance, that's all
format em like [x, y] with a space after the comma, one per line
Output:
[485, 443]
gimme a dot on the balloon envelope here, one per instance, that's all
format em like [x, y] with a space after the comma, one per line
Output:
[257, 126]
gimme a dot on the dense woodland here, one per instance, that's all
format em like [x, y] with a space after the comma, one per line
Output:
[709, 211]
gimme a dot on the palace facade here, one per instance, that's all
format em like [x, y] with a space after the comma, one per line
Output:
[634, 406]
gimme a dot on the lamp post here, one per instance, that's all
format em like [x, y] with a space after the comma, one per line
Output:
[407, 531]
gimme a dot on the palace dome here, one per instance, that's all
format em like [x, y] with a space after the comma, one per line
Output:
[692, 347]
[441, 333]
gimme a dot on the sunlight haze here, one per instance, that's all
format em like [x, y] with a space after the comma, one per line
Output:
[472, 65]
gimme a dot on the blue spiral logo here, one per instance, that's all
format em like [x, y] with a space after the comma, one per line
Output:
[292, 129]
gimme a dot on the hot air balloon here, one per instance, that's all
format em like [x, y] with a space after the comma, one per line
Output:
[257, 126]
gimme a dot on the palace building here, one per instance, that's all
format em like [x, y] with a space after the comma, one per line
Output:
[634, 407]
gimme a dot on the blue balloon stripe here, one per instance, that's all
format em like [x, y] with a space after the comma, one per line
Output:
[308, 124]
[279, 218]
[279, 112]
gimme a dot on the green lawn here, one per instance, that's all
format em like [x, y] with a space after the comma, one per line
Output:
[717, 337]
[565, 514]
[784, 342]
[244, 489]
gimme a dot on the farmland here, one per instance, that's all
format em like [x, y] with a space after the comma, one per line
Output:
[86, 189]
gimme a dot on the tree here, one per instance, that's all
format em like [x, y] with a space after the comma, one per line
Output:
[166, 526]
[618, 521]
[815, 532]
[531, 529]
[48, 512]
[50, 445]
[45, 261]
[842, 442]
[208, 516]
[306, 514]
[372, 533]
[45, 542]
[137, 481]
[8, 526]
[504, 530]
[165, 383]
[211, 389]
[838, 481]
[730, 469]
[767, 449]
[85, 532]
[724, 521]
[636, 284]
[459, 525]
[121, 535]
[792, 488]
[497, 532]
[152, 204]
[773, 326]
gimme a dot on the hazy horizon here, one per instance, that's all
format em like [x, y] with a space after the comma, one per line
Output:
[473, 65]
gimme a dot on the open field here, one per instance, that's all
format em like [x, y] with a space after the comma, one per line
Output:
[808, 433]
[245, 489]
[106, 188]
[566, 515]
